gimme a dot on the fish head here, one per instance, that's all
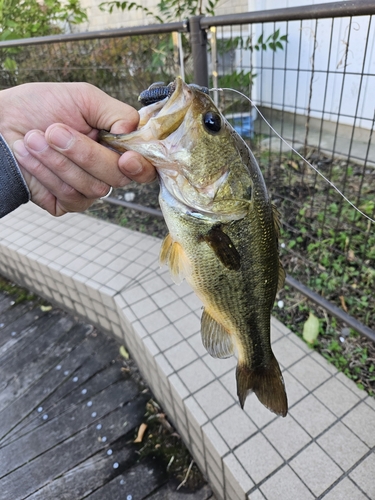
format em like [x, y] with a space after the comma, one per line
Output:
[194, 149]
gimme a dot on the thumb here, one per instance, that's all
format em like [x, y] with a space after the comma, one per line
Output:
[102, 111]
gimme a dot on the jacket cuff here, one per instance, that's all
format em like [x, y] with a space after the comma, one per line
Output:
[13, 188]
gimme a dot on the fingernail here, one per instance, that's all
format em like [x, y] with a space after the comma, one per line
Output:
[19, 148]
[36, 141]
[133, 166]
[60, 137]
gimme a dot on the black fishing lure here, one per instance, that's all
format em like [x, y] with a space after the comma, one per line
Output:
[159, 91]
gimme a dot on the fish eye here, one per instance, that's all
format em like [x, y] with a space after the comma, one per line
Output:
[212, 121]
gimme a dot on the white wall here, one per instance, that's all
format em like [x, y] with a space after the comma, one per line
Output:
[348, 97]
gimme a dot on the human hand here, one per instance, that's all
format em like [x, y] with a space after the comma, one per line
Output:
[52, 129]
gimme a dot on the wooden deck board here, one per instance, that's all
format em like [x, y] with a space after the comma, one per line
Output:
[69, 414]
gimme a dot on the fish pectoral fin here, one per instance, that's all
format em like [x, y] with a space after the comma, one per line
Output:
[215, 338]
[267, 383]
[165, 250]
[223, 247]
[173, 254]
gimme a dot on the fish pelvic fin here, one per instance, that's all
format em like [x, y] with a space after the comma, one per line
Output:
[267, 383]
[215, 338]
[173, 254]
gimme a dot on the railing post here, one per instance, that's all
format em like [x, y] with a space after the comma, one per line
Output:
[198, 40]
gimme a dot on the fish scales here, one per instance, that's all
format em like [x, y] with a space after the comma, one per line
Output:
[223, 231]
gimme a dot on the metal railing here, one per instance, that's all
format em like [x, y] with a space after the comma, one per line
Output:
[314, 85]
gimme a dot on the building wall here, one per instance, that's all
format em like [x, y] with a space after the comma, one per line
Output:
[99, 20]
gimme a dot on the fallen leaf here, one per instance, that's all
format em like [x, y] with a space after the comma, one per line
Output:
[45, 308]
[141, 433]
[343, 305]
[311, 329]
[124, 353]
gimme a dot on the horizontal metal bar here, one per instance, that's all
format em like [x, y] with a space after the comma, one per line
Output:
[134, 206]
[318, 11]
[304, 290]
[149, 29]
[331, 308]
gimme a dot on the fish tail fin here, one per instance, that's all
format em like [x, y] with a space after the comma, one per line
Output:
[267, 383]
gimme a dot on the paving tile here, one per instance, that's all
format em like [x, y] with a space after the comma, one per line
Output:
[167, 337]
[195, 414]
[144, 307]
[345, 490]
[196, 375]
[315, 468]
[154, 284]
[361, 420]
[342, 445]
[104, 275]
[133, 270]
[164, 297]
[313, 417]
[361, 393]
[193, 302]
[176, 310]
[363, 475]
[287, 436]
[236, 476]
[338, 398]
[294, 390]
[286, 352]
[309, 373]
[285, 485]
[214, 443]
[188, 325]
[178, 388]
[214, 399]
[257, 495]
[234, 426]
[163, 366]
[258, 457]
[180, 355]
[196, 343]
[220, 366]
[118, 282]
[154, 321]
[257, 412]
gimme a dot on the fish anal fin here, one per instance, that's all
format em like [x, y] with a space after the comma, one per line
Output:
[267, 383]
[173, 254]
[215, 338]
[223, 247]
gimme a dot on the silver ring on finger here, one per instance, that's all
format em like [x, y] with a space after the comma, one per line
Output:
[108, 194]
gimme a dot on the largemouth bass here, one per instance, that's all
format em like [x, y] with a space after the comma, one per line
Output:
[223, 229]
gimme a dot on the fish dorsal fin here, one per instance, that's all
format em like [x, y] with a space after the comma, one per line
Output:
[282, 276]
[173, 254]
[223, 247]
[276, 222]
[215, 338]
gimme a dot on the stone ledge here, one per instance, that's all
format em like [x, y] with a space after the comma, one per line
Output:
[110, 276]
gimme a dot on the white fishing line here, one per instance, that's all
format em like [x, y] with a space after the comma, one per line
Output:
[295, 151]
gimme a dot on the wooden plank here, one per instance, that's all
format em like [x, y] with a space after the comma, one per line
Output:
[56, 430]
[16, 370]
[68, 454]
[13, 320]
[42, 380]
[132, 482]
[80, 396]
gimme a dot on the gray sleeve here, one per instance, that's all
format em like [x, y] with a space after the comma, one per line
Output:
[13, 188]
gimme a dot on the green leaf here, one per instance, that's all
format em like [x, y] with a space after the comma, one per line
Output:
[123, 352]
[311, 329]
